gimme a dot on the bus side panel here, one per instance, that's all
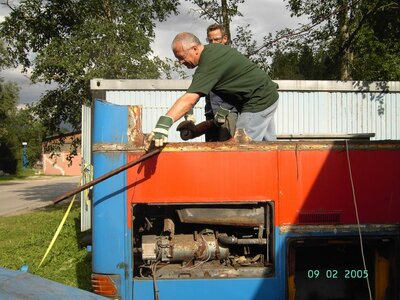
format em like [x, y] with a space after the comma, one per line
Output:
[273, 287]
[232, 289]
[204, 176]
[111, 237]
[104, 114]
[304, 182]
[312, 182]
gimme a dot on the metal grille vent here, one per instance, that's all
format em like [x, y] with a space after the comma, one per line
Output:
[319, 217]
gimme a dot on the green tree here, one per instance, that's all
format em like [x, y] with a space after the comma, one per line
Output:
[306, 63]
[285, 66]
[8, 101]
[5, 59]
[359, 37]
[377, 49]
[246, 44]
[69, 42]
[17, 126]
[28, 128]
[301, 63]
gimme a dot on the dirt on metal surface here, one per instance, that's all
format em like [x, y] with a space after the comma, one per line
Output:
[135, 134]
[232, 146]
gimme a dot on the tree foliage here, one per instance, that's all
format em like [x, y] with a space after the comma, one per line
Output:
[301, 64]
[247, 44]
[377, 48]
[17, 126]
[358, 38]
[27, 128]
[5, 59]
[69, 42]
[8, 101]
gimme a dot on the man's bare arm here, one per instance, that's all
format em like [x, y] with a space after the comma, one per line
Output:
[183, 105]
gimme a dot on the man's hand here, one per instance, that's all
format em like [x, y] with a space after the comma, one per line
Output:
[160, 133]
[220, 116]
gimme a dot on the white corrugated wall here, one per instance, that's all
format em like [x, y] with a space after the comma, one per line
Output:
[86, 206]
[154, 104]
[306, 107]
[339, 112]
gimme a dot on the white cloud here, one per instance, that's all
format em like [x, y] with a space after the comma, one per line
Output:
[28, 92]
[4, 11]
[267, 16]
[185, 21]
[263, 16]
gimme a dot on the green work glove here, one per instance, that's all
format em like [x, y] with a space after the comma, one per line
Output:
[160, 133]
[189, 116]
[220, 116]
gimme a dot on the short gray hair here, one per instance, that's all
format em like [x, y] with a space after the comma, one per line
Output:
[187, 40]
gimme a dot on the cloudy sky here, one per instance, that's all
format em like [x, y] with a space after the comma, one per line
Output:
[264, 16]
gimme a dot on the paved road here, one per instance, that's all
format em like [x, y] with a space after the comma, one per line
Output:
[19, 196]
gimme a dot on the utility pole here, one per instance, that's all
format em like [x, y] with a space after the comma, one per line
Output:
[25, 161]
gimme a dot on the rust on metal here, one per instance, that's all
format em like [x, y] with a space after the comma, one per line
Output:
[135, 134]
[241, 137]
[238, 222]
[223, 216]
[258, 146]
[169, 226]
[201, 249]
[338, 228]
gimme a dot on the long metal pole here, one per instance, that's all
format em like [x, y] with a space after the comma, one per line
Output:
[107, 175]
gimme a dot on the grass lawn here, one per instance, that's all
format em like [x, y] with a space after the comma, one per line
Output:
[21, 174]
[25, 238]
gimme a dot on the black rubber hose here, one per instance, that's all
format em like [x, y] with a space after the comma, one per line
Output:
[231, 240]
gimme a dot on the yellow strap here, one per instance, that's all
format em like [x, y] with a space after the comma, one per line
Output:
[58, 231]
[88, 176]
[87, 173]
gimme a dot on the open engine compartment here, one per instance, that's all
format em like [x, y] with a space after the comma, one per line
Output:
[203, 241]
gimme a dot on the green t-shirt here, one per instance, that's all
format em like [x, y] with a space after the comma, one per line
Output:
[233, 77]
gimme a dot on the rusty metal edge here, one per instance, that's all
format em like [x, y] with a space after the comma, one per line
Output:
[334, 229]
[257, 146]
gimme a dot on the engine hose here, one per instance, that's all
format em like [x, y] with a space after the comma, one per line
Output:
[231, 240]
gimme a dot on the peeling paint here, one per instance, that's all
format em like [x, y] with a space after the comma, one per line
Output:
[260, 146]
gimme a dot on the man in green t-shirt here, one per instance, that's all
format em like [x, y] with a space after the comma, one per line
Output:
[213, 103]
[227, 73]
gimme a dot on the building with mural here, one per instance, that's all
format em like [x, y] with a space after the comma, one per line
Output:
[59, 157]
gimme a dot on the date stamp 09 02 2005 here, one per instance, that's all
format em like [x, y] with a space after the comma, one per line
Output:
[337, 274]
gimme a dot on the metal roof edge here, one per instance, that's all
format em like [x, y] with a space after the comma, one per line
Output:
[138, 84]
[284, 85]
[343, 86]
